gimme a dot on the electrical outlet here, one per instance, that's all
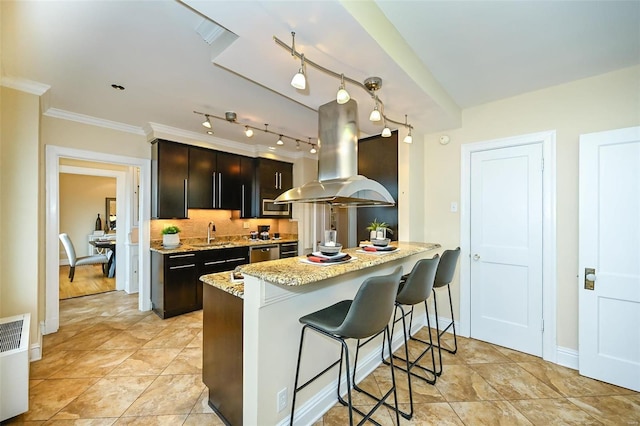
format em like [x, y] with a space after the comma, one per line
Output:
[245, 225]
[282, 400]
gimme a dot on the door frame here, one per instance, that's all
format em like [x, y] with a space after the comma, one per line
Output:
[53, 155]
[549, 279]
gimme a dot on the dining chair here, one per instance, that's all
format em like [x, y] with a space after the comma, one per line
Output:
[74, 261]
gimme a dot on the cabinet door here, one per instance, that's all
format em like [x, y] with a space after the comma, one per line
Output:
[202, 174]
[248, 203]
[286, 176]
[274, 177]
[181, 284]
[228, 181]
[219, 260]
[170, 173]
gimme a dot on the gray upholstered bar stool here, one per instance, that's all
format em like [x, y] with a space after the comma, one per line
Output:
[367, 315]
[444, 276]
[415, 288]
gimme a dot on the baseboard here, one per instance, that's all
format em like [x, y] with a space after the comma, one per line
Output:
[568, 358]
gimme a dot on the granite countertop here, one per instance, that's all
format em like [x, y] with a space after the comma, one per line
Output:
[293, 272]
[199, 244]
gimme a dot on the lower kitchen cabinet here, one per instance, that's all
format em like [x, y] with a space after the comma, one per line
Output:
[175, 278]
[174, 284]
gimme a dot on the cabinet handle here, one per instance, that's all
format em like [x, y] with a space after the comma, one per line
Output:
[219, 190]
[276, 180]
[175, 256]
[191, 265]
[236, 259]
[186, 192]
[280, 181]
[216, 262]
[242, 204]
[213, 190]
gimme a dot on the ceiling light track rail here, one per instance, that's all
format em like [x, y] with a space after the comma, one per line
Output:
[231, 117]
[370, 85]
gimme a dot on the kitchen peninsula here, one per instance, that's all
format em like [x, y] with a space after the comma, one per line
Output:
[251, 332]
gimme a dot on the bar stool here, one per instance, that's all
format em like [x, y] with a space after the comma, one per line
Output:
[444, 276]
[415, 289]
[367, 315]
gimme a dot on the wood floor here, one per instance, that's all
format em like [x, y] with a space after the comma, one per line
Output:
[88, 280]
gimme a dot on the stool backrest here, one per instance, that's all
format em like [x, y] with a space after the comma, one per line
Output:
[417, 287]
[371, 309]
[447, 267]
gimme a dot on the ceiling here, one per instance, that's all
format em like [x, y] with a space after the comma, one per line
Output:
[435, 58]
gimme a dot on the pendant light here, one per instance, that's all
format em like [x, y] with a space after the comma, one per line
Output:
[207, 122]
[299, 81]
[248, 131]
[408, 138]
[280, 141]
[313, 149]
[386, 132]
[375, 114]
[342, 97]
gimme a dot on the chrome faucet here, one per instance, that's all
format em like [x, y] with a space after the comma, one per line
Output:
[210, 227]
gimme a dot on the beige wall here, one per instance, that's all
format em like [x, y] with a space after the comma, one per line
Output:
[19, 220]
[82, 198]
[609, 101]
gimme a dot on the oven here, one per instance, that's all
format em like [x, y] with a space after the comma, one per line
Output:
[270, 208]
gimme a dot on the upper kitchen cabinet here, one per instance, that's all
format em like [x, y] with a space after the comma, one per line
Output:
[248, 206]
[214, 180]
[272, 179]
[170, 175]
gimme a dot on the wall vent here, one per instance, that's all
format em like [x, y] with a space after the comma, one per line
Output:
[14, 365]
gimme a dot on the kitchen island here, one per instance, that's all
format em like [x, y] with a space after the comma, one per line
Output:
[251, 332]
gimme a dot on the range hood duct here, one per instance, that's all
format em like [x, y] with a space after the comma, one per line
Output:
[338, 181]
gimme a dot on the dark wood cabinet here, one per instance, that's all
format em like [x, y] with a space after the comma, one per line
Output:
[170, 173]
[248, 204]
[272, 179]
[175, 288]
[175, 278]
[288, 250]
[214, 179]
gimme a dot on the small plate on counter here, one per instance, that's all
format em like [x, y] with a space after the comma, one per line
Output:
[323, 260]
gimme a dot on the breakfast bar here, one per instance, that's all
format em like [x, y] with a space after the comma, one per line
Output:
[251, 331]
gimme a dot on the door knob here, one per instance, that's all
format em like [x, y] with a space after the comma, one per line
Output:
[476, 256]
[589, 278]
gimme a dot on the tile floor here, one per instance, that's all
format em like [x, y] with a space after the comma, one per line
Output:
[112, 365]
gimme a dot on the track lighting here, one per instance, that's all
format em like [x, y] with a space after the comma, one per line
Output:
[207, 122]
[313, 149]
[231, 117]
[375, 114]
[342, 97]
[299, 81]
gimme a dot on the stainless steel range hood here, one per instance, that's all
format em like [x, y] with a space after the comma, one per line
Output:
[338, 181]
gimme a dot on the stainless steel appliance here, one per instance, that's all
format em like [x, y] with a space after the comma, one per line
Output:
[263, 253]
[269, 208]
[264, 232]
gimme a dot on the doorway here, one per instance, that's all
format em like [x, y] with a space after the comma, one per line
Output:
[546, 267]
[139, 215]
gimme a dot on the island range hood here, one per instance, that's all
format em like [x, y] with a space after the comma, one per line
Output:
[338, 181]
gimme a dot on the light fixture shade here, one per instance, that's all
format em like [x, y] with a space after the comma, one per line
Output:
[299, 81]
[342, 97]
[248, 131]
[408, 138]
[313, 149]
[207, 122]
[280, 141]
[375, 115]
[386, 132]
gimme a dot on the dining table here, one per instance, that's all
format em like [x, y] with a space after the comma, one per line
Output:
[110, 245]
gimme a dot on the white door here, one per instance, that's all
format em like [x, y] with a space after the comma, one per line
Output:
[506, 247]
[609, 327]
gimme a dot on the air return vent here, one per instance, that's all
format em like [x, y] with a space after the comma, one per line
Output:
[14, 365]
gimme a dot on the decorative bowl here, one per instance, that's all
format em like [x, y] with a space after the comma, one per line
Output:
[329, 250]
[383, 242]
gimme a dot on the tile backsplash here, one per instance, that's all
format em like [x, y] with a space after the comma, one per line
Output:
[226, 224]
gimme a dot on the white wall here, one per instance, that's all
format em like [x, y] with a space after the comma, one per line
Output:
[609, 101]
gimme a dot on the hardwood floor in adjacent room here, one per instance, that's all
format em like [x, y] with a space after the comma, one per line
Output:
[110, 364]
[88, 280]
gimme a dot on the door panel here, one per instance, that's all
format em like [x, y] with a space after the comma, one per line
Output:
[506, 247]
[609, 324]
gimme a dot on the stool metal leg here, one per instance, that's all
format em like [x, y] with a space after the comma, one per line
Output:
[429, 347]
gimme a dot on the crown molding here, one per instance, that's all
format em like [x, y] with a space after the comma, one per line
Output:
[93, 121]
[24, 85]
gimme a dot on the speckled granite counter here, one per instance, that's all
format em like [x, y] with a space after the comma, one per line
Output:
[293, 272]
[198, 244]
